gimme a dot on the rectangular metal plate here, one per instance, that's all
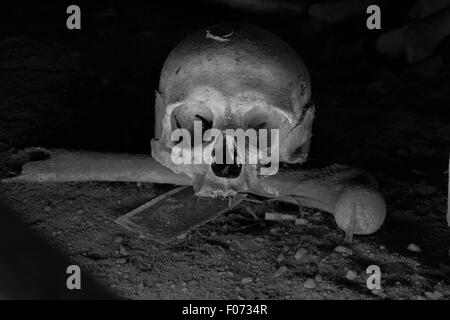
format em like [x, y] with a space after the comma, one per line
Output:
[175, 213]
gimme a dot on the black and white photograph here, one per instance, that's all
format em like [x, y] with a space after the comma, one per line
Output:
[226, 154]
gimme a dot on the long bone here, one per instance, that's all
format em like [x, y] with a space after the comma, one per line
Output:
[347, 193]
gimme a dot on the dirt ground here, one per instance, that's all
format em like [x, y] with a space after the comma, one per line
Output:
[94, 90]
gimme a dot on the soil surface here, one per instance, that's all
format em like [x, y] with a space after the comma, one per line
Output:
[93, 90]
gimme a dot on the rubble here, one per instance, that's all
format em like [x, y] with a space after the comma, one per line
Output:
[414, 248]
[310, 283]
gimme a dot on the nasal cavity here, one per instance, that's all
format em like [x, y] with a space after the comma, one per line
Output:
[223, 169]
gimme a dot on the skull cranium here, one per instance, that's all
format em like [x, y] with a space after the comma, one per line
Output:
[232, 76]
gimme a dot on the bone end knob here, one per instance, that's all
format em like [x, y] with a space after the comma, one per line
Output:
[360, 210]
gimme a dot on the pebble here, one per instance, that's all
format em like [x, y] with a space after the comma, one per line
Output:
[275, 230]
[182, 236]
[97, 254]
[436, 295]
[343, 250]
[281, 270]
[351, 275]
[123, 252]
[301, 252]
[318, 278]
[121, 261]
[118, 240]
[226, 273]
[280, 258]
[246, 280]
[301, 222]
[380, 293]
[309, 283]
[395, 268]
[47, 208]
[414, 248]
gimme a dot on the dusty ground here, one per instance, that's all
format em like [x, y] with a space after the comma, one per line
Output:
[94, 90]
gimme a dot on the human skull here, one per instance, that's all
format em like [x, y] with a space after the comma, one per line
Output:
[233, 76]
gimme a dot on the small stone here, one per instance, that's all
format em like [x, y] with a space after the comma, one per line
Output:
[138, 184]
[226, 273]
[282, 270]
[380, 293]
[246, 280]
[436, 295]
[182, 236]
[351, 275]
[318, 278]
[213, 234]
[425, 190]
[395, 268]
[47, 208]
[326, 269]
[280, 258]
[383, 248]
[309, 283]
[301, 252]
[343, 250]
[123, 252]
[121, 261]
[414, 248]
[274, 230]
[118, 240]
[97, 254]
[301, 222]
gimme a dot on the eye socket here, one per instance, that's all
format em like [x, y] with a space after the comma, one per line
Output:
[206, 124]
[256, 122]
[263, 119]
[262, 125]
[184, 116]
[177, 122]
